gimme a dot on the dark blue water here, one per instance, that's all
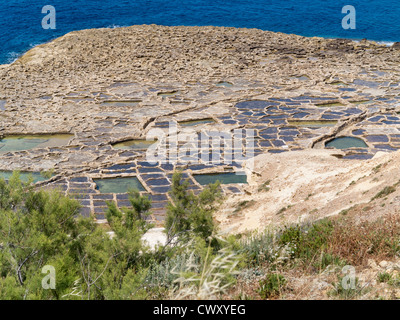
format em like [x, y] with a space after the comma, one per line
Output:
[20, 20]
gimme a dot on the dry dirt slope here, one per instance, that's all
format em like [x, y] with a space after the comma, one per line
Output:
[311, 184]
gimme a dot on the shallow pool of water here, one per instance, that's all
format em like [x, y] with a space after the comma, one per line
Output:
[338, 83]
[224, 84]
[365, 83]
[301, 78]
[134, 144]
[224, 178]
[24, 176]
[191, 123]
[346, 142]
[118, 185]
[27, 142]
[3, 105]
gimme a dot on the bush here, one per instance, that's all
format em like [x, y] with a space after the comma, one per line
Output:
[190, 213]
[306, 242]
[206, 276]
[384, 192]
[258, 248]
[356, 242]
[271, 286]
[292, 237]
[347, 293]
[384, 277]
[43, 228]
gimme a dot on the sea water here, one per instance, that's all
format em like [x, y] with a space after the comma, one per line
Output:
[21, 20]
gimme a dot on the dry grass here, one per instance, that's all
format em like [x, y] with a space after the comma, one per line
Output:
[312, 256]
[356, 242]
[208, 279]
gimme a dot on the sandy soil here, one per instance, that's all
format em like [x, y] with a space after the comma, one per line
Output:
[310, 184]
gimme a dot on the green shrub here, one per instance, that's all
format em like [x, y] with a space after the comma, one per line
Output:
[346, 293]
[384, 192]
[271, 286]
[327, 259]
[291, 238]
[258, 248]
[384, 277]
[306, 241]
[190, 213]
[265, 186]
[317, 236]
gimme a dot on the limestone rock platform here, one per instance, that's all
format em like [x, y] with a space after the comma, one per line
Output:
[105, 86]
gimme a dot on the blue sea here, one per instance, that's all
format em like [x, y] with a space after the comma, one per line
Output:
[21, 29]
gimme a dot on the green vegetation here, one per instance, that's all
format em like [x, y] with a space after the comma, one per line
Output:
[265, 186]
[271, 286]
[47, 174]
[326, 245]
[309, 244]
[41, 228]
[283, 209]
[243, 205]
[384, 277]
[308, 196]
[258, 248]
[377, 168]
[188, 213]
[349, 293]
[345, 211]
[384, 192]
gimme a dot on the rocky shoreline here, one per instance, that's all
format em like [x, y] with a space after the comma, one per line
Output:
[110, 85]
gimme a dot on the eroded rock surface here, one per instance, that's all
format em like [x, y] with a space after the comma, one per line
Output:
[110, 85]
